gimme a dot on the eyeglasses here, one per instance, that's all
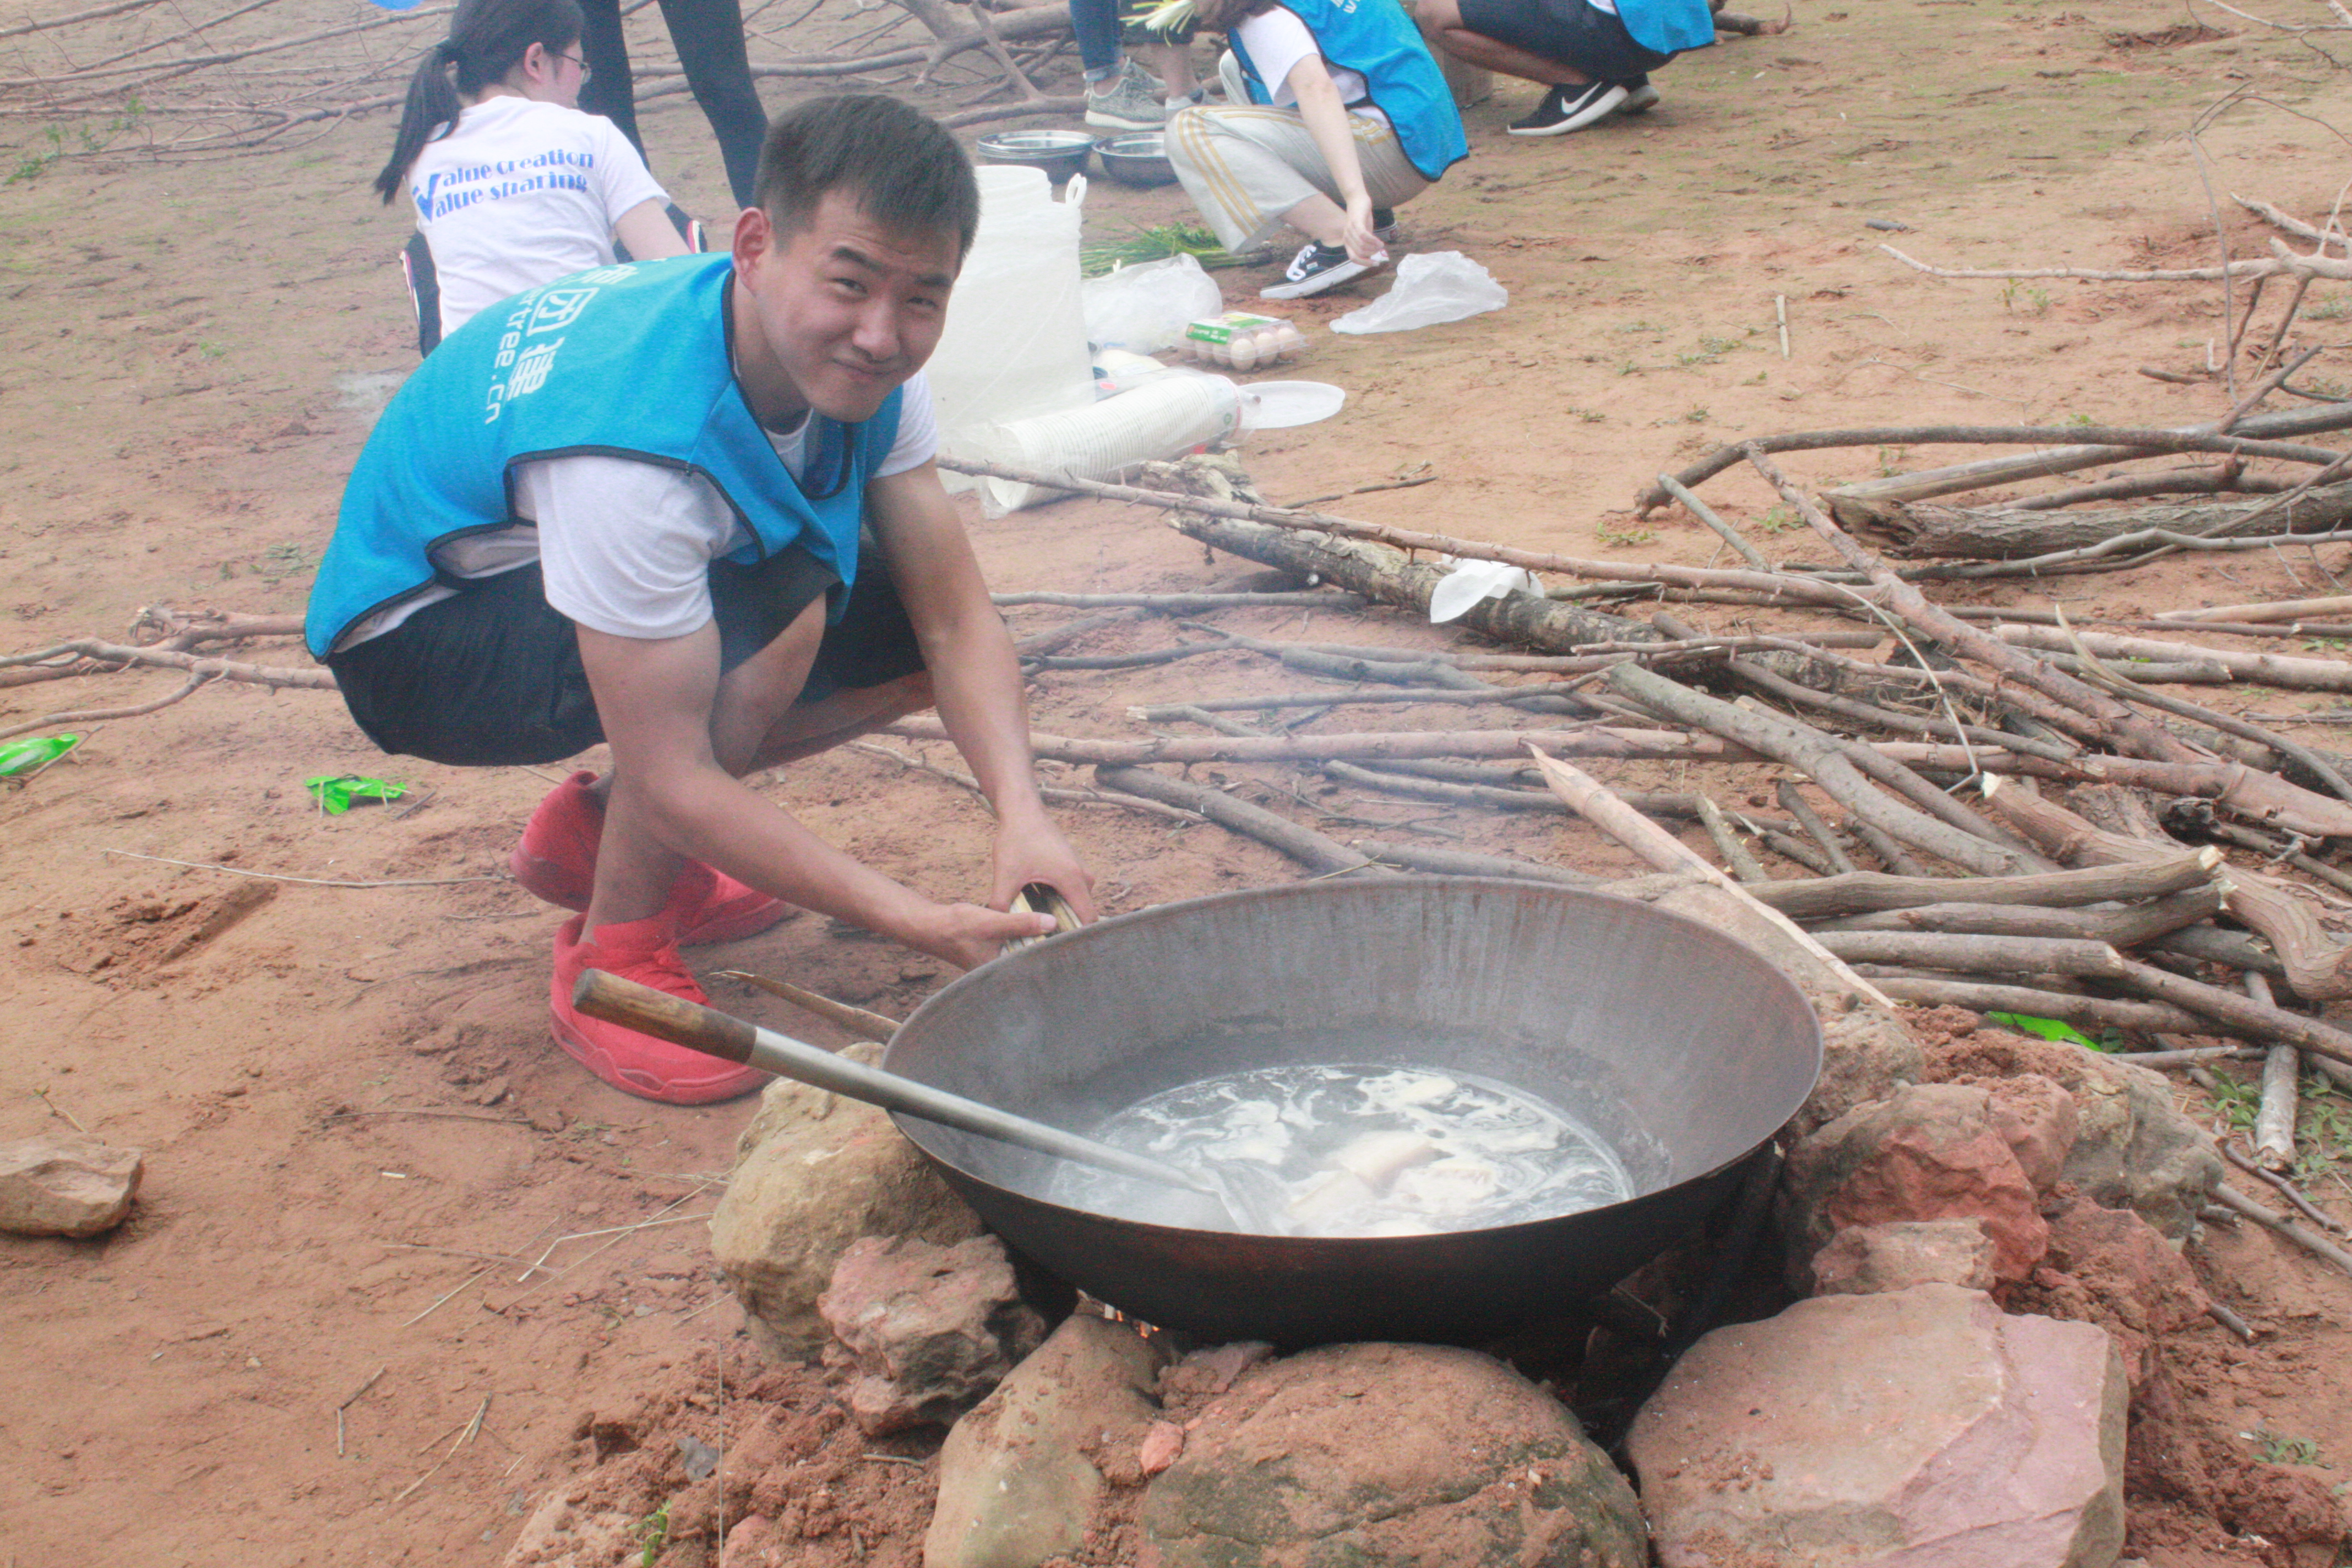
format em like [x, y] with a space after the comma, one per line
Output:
[576, 61]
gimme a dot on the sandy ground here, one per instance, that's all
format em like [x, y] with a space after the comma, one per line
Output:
[358, 1137]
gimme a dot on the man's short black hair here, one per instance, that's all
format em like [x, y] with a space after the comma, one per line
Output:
[902, 166]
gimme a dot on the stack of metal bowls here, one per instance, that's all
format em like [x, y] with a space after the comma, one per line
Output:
[1060, 153]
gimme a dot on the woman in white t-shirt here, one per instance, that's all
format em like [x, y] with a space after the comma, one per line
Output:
[514, 186]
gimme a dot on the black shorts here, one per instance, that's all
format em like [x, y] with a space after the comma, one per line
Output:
[1573, 32]
[491, 676]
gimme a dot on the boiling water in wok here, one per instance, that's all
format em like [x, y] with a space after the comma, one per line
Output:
[1334, 1151]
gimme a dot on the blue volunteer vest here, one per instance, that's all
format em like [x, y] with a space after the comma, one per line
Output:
[1378, 41]
[1668, 26]
[619, 362]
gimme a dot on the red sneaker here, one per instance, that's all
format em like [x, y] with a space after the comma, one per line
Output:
[556, 860]
[556, 857]
[645, 951]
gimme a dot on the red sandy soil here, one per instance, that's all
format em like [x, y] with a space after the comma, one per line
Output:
[360, 1141]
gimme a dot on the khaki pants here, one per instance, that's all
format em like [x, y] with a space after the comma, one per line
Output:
[1244, 165]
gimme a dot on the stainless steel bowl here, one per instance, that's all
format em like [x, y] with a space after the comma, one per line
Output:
[1060, 153]
[1139, 160]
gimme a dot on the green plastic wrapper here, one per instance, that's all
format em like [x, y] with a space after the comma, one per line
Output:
[2044, 1028]
[34, 751]
[335, 793]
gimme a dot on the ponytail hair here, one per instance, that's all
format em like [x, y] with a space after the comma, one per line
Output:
[486, 39]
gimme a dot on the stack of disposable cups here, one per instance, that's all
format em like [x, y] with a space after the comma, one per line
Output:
[1167, 415]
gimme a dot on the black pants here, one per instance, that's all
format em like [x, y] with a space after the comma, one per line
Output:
[491, 677]
[709, 36]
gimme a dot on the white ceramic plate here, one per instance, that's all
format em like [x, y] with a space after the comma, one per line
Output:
[1278, 405]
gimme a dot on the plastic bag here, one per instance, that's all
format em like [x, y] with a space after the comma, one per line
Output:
[1015, 340]
[1474, 581]
[336, 793]
[29, 756]
[1439, 285]
[1145, 308]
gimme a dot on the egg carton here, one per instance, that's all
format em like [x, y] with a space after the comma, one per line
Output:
[1239, 341]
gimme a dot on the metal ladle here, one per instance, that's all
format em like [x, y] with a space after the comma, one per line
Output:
[706, 1029]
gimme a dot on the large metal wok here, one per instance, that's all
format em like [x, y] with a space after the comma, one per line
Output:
[1684, 1049]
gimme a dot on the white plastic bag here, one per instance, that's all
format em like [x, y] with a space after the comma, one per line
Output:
[1145, 308]
[1473, 580]
[1015, 342]
[1439, 285]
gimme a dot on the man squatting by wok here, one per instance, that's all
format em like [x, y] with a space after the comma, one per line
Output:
[689, 508]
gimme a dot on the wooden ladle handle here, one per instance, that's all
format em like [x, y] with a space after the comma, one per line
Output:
[662, 1015]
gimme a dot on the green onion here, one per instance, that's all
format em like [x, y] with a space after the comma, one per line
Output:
[1157, 242]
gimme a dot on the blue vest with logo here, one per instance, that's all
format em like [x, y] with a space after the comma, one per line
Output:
[1668, 26]
[1378, 41]
[619, 362]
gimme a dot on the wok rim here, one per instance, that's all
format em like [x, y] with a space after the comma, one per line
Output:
[912, 1127]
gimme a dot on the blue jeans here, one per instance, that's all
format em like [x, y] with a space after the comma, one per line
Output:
[1096, 23]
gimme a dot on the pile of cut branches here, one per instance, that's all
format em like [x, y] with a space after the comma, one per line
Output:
[1984, 811]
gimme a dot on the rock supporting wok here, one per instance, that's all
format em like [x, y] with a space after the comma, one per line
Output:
[1683, 1048]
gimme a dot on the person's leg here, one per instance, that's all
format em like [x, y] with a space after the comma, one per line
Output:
[709, 35]
[794, 686]
[1174, 64]
[1243, 168]
[1252, 171]
[1094, 24]
[610, 90]
[1442, 24]
[1390, 179]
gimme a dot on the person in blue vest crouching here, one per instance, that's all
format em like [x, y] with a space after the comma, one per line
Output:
[1595, 56]
[689, 508]
[1337, 114]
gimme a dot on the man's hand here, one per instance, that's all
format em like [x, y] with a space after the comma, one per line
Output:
[1030, 848]
[968, 936]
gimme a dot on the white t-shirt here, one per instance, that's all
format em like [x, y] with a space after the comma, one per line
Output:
[625, 546]
[1276, 41]
[521, 194]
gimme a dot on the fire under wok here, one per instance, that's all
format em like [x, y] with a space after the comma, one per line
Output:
[1683, 1049]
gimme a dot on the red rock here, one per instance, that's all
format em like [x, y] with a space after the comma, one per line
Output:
[1928, 1151]
[1920, 1427]
[69, 1183]
[2038, 1120]
[1870, 1260]
[813, 1173]
[1019, 1480]
[1162, 1444]
[1388, 1456]
[2127, 1265]
[1213, 1370]
[932, 1329]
